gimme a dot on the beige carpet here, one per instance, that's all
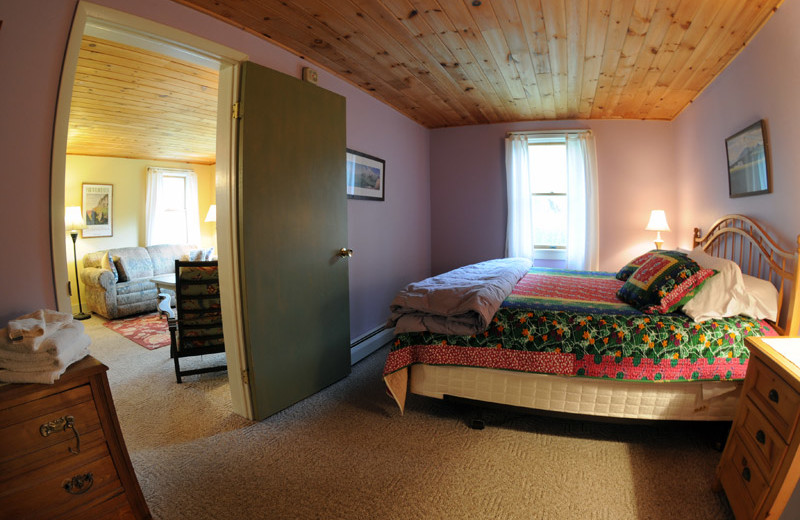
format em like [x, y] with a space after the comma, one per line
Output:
[347, 453]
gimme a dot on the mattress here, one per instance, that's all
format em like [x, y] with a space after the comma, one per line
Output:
[684, 401]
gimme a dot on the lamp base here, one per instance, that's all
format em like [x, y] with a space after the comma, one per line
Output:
[81, 316]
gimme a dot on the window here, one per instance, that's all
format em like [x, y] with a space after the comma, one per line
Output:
[172, 212]
[552, 197]
[547, 167]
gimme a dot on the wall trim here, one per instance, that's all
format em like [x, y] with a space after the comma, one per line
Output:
[368, 343]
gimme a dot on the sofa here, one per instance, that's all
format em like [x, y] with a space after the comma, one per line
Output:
[117, 281]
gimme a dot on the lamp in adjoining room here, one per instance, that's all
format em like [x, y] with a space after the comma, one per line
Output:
[658, 223]
[211, 216]
[73, 220]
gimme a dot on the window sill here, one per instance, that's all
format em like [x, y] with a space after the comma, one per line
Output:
[550, 254]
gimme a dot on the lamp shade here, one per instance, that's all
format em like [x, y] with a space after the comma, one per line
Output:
[73, 218]
[211, 216]
[658, 221]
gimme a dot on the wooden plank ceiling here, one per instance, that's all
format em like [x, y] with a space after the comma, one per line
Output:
[461, 62]
[133, 103]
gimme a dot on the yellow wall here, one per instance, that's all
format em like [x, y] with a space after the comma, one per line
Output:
[129, 179]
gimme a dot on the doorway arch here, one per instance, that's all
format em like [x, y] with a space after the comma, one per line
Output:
[160, 36]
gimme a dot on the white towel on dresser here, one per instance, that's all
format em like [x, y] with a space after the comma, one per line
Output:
[30, 330]
[47, 378]
[58, 348]
[70, 346]
[48, 346]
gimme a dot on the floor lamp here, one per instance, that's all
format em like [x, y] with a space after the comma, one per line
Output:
[74, 221]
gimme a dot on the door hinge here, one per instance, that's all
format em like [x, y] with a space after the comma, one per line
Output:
[245, 377]
[236, 113]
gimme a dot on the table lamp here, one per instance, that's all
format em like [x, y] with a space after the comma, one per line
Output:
[211, 216]
[73, 221]
[658, 223]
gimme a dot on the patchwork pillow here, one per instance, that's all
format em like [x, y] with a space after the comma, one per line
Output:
[664, 283]
[631, 267]
[107, 262]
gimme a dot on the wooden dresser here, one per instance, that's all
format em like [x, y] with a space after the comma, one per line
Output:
[61, 450]
[760, 465]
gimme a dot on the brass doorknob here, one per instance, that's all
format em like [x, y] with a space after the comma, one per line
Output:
[345, 253]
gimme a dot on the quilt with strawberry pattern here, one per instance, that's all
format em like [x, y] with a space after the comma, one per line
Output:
[571, 323]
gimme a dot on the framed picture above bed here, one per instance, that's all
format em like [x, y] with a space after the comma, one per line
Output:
[366, 176]
[748, 162]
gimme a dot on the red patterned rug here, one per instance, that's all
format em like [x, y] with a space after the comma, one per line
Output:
[147, 330]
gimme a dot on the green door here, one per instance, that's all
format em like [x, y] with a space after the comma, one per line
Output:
[292, 223]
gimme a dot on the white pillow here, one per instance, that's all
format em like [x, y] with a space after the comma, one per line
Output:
[763, 299]
[722, 295]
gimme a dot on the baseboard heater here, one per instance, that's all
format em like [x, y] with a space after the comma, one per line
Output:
[368, 343]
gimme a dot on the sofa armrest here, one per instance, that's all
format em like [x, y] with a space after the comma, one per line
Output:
[98, 277]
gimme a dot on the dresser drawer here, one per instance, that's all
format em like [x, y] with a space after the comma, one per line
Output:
[34, 433]
[738, 497]
[66, 487]
[766, 445]
[746, 472]
[774, 397]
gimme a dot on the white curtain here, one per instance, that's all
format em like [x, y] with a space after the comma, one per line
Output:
[153, 205]
[192, 210]
[519, 230]
[582, 203]
[155, 230]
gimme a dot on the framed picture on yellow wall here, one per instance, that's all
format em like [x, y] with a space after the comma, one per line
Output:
[97, 207]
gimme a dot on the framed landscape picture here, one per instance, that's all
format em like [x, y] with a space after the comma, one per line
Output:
[366, 176]
[97, 210]
[748, 162]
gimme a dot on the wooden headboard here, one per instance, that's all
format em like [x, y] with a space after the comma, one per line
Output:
[740, 239]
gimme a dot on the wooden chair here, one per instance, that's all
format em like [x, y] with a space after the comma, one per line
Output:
[197, 330]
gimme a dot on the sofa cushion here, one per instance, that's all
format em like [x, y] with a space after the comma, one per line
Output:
[134, 262]
[135, 291]
[199, 255]
[107, 262]
[163, 256]
[93, 259]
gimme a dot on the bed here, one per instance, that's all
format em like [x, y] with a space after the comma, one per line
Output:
[563, 341]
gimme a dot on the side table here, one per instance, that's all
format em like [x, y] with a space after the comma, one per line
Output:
[760, 466]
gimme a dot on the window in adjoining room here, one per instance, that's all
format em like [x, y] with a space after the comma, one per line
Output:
[552, 197]
[172, 211]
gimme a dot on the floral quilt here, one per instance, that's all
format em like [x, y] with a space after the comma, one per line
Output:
[571, 323]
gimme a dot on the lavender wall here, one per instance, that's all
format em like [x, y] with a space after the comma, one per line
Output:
[762, 83]
[635, 161]
[391, 238]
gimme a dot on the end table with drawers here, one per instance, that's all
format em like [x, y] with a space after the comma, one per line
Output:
[760, 466]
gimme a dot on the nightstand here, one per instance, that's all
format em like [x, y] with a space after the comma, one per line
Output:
[760, 465]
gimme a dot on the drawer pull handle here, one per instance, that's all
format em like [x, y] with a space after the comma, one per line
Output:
[63, 424]
[79, 484]
[760, 437]
[746, 474]
[773, 396]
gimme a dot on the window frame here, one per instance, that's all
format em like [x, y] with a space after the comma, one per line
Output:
[548, 251]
